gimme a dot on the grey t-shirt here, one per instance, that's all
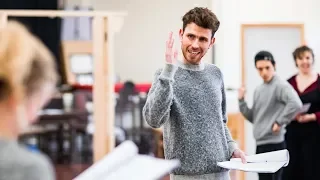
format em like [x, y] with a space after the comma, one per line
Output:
[18, 163]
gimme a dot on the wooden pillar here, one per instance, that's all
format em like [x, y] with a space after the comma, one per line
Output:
[104, 139]
[109, 78]
[3, 19]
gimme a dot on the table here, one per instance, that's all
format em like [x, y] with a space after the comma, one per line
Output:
[61, 119]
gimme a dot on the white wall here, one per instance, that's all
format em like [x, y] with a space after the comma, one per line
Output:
[140, 46]
[233, 13]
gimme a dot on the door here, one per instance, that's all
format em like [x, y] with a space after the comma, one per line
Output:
[280, 40]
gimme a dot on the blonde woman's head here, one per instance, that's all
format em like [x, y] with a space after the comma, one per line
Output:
[28, 75]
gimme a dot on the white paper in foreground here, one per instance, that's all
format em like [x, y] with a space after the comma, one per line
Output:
[125, 163]
[143, 168]
[261, 163]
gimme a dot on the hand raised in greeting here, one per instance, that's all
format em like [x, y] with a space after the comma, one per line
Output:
[171, 56]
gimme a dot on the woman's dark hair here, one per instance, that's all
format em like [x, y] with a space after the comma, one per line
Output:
[264, 55]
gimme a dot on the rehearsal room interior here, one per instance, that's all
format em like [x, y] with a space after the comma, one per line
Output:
[107, 53]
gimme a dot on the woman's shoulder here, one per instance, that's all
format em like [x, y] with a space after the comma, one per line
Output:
[292, 78]
[26, 163]
[38, 163]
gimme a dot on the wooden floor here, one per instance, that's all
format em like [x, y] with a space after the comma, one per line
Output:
[68, 171]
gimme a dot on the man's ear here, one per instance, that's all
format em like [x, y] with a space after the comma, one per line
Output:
[212, 42]
[180, 34]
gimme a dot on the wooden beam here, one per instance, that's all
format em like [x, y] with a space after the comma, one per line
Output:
[3, 20]
[60, 13]
[103, 141]
[109, 78]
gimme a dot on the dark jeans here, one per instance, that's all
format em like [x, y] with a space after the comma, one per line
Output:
[267, 148]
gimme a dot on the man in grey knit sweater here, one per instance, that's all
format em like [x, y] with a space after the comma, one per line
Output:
[275, 103]
[188, 98]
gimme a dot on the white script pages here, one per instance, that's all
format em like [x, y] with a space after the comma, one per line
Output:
[125, 163]
[269, 162]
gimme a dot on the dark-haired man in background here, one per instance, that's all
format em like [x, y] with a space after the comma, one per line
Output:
[188, 98]
[274, 105]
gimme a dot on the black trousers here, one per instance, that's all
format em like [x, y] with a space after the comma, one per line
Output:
[303, 144]
[267, 148]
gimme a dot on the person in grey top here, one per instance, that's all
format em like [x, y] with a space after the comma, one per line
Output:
[27, 81]
[188, 99]
[274, 105]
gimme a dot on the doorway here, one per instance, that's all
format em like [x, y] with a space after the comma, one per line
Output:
[280, 40]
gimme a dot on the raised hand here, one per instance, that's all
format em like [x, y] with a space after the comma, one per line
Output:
[241, 93]
[171, 56]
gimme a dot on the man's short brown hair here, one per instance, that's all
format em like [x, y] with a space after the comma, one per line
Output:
[202, 17]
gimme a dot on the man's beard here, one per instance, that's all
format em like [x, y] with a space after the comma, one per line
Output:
[192, 61]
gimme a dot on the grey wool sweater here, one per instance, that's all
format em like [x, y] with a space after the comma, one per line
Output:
[189, 101]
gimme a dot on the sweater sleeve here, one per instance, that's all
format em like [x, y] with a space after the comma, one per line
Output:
[287, 95]
[245, 110]
[156, 110]
[231, 143]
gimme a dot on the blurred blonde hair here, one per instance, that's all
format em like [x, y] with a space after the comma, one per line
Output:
[26, 63]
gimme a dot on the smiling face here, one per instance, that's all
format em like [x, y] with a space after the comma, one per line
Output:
[195, 42]
[304, 62]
